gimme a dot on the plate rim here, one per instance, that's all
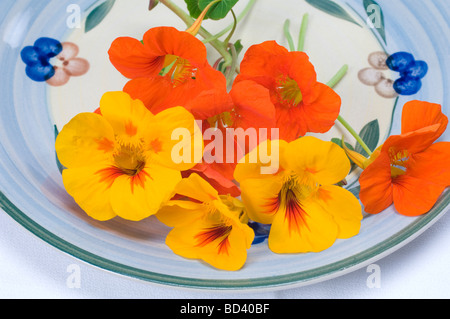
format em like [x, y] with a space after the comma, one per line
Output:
[302, 278]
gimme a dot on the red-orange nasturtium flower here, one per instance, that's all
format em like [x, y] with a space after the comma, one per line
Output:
[206, 225]
[301, 103]
[170, 68]
[121, 163]
[301, 201]
[409, 170]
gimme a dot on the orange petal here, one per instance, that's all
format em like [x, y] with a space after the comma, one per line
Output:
[252, 106]
[162, 41]
[417, 115]
[433, 164]
[152, 91]
[131, 58]
[413, 142]
[320, 108]
[415, 196]
[376, 185]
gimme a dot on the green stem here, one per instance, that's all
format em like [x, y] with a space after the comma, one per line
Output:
[338, 76]
[188, 20]
[354, 134]
[288, 35]
[302, 35]
[332, 83]
[239, 18]
[227, 40]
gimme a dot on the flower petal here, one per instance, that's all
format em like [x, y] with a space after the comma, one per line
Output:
[222, 246]
[376, 185]
[419, 114]
[253, 107]
[128, 117]
[261, 162]
[306, 227]
[87, 139]
[432, 164]
[260, 197]
[326, 161]
[414, 196]
[132, 59]
[196, 188]
[90, 189]
[174, 139]
[320, 109]
[162, 41]
[178, 212]
[344, 207]
[140, 196]
[153, 92]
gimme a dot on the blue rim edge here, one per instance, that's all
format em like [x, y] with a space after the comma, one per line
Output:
[265, 282]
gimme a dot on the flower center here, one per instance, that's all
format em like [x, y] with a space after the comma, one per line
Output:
[288, 92]
[399, 161]
[129, 159]
[178, 70]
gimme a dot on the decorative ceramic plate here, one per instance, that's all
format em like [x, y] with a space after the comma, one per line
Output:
[359, 33]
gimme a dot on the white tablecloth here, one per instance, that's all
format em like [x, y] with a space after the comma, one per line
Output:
[30, 268]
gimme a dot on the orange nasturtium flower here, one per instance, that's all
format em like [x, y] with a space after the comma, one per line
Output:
[170, 68]
[121, 162]
[301, 103]
[408, 170]
[301, 201]
[206, 225]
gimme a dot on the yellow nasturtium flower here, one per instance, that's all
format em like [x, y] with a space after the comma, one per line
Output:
[206, 225]
[121, 162]
[301, 201]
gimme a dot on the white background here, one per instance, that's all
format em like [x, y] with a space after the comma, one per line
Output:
[30, 269]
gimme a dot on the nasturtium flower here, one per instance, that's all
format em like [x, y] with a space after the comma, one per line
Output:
[173, 64]
[301, 103]
[306, 209]
[409, 170]
[206, 225]
[121, 162]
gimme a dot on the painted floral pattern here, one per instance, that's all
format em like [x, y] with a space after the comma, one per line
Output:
[53, 62]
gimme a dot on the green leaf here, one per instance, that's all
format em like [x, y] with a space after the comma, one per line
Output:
[374, 9]
[193, 8]
[370, 134]
[333, 9]
[219, 10]
[98, 14]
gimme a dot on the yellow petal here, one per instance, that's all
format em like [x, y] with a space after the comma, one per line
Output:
[138, 197]
[178, 212]
[127, 117]
[195, 187]
[306, 228]
[326, 161]
[90, 190]
[260, 197]
[222, 246]
[174, 139]
[261, 162]
[86, 139]
[344, 207]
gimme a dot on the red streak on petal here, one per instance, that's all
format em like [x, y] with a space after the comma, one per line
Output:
[109, 175]
[139, 180]
[294, 213]
[219, 232]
